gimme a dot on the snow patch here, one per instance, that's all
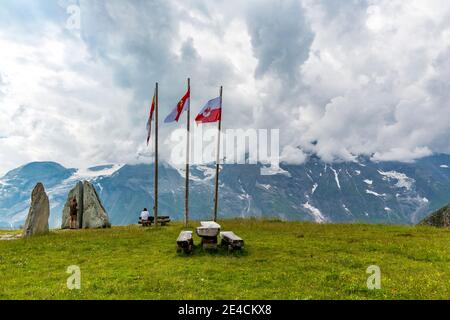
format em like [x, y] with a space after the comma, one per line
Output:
[375, 194]
[318, 216]
[403, 181]
[273, 170]
[208, 172]
[444, 166]
[346, 209]
[264, 186]
[88, 174]
[369, 182]
[336, 178]
[358, 172]
[314, 188]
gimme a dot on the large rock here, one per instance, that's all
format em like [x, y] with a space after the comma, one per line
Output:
[76, 192]
[94, 214]
[440, 218]
[37, 220]
[91, 213]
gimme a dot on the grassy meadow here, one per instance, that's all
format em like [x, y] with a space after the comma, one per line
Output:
[282, 260]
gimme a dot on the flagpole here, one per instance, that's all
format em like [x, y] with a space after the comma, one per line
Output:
[156, 158]
[216, 193]
[186, 200]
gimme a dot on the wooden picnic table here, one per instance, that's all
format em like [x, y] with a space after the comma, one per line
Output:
[208, 231]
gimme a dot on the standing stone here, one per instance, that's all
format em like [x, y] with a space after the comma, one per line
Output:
[37, 220]
[94, 214]
[439, 218]
[76, 192]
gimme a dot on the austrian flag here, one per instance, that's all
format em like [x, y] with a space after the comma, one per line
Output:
[150, 118]
[211, 112]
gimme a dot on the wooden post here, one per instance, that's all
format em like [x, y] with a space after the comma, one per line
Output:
[155, 208]
[216, 193]
[186, 199]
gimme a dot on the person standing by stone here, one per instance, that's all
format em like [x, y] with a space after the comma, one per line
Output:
[73, 213]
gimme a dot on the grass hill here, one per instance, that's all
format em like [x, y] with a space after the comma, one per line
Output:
[282, 260]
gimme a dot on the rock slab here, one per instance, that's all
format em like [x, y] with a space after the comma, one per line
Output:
[94, 214]
[37, 219]
[439, 218]
[91, 213]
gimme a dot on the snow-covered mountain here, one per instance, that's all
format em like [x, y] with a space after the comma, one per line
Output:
[363, 191]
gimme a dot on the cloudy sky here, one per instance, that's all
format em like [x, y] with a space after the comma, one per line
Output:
[338, 78]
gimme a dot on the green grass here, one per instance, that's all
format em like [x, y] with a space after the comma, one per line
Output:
[282, 260]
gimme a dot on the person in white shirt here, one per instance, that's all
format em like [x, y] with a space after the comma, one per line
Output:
[145, 215]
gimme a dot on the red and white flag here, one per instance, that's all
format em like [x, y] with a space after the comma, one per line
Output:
[181, 106]
[150, 118]
[211, 112]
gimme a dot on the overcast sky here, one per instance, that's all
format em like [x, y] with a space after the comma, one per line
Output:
[339, 78]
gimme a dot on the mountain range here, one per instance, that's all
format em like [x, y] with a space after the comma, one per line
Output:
[361, 191]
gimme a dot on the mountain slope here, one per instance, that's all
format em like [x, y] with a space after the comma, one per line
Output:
[363, 191]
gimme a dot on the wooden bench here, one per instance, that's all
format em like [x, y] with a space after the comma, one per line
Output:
[145, 223]
[185, 242]
[162, 220]
[231, 241]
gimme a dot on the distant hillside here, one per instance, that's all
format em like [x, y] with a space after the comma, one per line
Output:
[364, 191]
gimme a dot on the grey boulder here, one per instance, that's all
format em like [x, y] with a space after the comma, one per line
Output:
[439, 218]
[37, 219]
[94, 214]
[91, 213]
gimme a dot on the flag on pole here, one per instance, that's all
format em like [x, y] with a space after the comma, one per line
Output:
[182, 106]
[211, 112]
[150, 118]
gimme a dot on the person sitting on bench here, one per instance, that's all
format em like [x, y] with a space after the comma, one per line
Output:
[145, 217]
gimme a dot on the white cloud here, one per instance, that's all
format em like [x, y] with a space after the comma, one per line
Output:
[337, 78]
[292, 155]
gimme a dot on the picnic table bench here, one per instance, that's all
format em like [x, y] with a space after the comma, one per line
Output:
[162, 220]
[231, 240]
[208, 231]
[185, 242]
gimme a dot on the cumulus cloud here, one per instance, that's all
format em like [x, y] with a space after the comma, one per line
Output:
[338, 78]
[375, 78]
[292, 155]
